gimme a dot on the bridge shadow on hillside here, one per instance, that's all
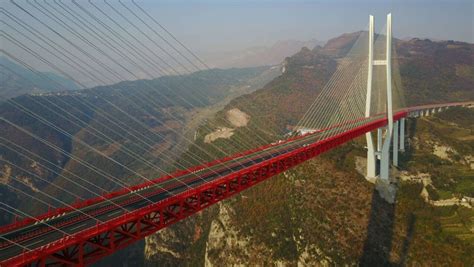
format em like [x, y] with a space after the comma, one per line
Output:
[378, 243]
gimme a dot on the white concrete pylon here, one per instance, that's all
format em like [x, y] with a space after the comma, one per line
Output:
[371, 160]
[383, 142]
[385, 155]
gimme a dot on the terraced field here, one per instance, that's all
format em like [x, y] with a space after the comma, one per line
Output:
[458, 221]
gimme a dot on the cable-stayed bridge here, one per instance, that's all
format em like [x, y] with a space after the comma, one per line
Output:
[88, 231]
[363, 96]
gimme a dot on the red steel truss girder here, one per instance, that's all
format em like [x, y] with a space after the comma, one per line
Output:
[94, 243]
[91, 201]
[88, 202]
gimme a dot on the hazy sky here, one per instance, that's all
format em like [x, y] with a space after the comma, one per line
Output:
[221, 24]
[205, 26]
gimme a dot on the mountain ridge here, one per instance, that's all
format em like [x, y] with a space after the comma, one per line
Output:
[17, 80]
[258, 55]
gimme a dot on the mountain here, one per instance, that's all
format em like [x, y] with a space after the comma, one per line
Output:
[340, 46]
[78, 122]
[324, 212]
[258, 55]
[17, 80]
[434, 72]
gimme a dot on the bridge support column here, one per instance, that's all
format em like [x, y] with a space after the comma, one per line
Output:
[379, 141]
[395, 144]
[384, 164]
[371, 158]
[402, 134]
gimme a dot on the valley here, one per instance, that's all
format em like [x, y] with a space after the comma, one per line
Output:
[323, 212]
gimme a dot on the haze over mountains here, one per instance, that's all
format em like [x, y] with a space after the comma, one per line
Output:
[16, 80]
[259, 55]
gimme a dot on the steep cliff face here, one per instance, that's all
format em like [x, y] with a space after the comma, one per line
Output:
[283, 221]
[322, 212]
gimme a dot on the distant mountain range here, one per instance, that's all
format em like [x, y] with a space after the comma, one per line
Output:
[258, 55]
[17, 80]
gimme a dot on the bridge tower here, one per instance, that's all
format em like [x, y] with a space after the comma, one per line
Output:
[390, 133]
[371, 156]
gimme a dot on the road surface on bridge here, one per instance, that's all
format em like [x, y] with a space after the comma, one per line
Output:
[40, 234]
[147, 195]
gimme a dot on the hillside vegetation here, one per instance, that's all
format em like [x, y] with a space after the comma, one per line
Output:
[324, 211]
[443, 147]
[93, 123]
[442, 151]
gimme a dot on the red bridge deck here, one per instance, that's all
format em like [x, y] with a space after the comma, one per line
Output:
[77, 237]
